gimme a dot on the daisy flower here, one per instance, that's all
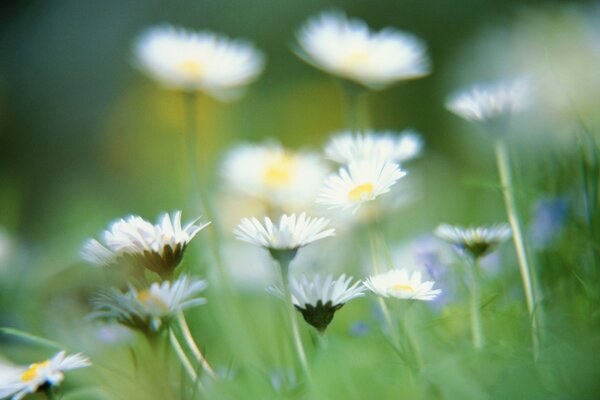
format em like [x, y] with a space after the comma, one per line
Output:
[150, 309]
[491, 102]
[48, 373]
[281, 178]
[182, 59]
[345, 147]
[399, 284]
[159, 247]
[476, 241]
[359, 182]
[292, 232]
[346, 47]
[318, 299]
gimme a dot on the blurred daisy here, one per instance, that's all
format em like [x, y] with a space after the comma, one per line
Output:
[183, 59]
[346, 147]
[44, 374]
[159, 247]
[348, 48]
[359, 182]
[399, 284]
[318, 300]
[150, 309]
[286, 238]
[492, 102]
[280, 178]
[476, 241]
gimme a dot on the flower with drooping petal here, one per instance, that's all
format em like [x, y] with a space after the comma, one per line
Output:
[346, 47]
[150, 309]
[159, 247]
[318, 300]
[27, 380]
[183, 59]
[492, 102]
[280, 178]
[359, 182]
[476, 241]
[292, 232]
[399, 284]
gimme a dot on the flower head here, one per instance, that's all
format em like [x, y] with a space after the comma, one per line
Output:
[159, 247]
[492, 102]
[27, 380]
[150, 309]
[292, 232]
[279, 177]
[184, 59]
[346, 147]
[318, 300]
[476, 241]
[359, 182]
[348, 48]
[399, 284]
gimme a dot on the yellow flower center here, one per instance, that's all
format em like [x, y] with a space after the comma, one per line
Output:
[403, 287]
[151, 300]
[191, 68]
[32, 371]
[361, 192]
[354, 59]
[279, 171]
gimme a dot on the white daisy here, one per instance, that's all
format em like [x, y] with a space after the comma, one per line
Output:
[477, 241]
[184, 59]
[27, 380]
[318, 300]
[399, 284]
[150, 309]
[159, 247]
[292, 232]
[348, 48]
[492, 102]
[345, 147]
[359, 182]
[281, 178]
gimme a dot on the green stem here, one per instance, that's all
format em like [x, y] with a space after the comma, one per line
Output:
[354, 107]
[185, 362]
[285, 264]
[189, 339]
[476, 326]
[411, 341]
[506, 179]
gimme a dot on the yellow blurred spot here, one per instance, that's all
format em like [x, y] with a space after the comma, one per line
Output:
[354, 59]
[361, 192]
[402, 287]
[32, 371]
[191, 68]
[279, 171]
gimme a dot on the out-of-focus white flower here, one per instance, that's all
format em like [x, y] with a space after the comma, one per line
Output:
[23, 381]
[150, 309]
[359, 182]
[184, 59]
[348, 48]
[399, 284]
[281, 178]
[492, 102]
[477, 241]
[159, 247]
[318, 299]
[346, 147]
[292, 232]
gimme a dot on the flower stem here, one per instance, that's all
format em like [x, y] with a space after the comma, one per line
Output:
[411, 341]
[185, 362]
[354, 106]
[476, 326]
[527, 276]
[189, 339]
[285, 264]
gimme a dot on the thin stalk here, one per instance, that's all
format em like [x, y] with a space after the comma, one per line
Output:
[506, 179]
[411, 341]
[354, 107]
[285, 264]
[187, 365]
[474, 301]
[189, 339]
